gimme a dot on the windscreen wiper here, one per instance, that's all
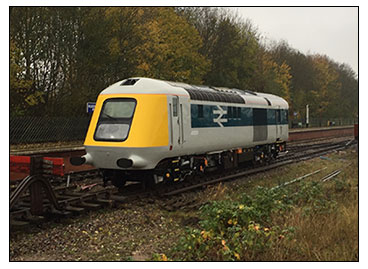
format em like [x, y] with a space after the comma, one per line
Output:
[107, 115]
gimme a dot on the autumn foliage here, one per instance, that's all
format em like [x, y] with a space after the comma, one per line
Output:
[62, 57]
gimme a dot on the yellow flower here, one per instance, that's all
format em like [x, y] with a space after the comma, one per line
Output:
[266, 229]
[230, 221]
[223, 242]
[163, 257]
[237, 256]
[205, 234]
[241, 207]
[256, 227]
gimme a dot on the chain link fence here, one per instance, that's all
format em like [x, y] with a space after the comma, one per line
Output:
[44, 129]
[25, 130]
[322, 122]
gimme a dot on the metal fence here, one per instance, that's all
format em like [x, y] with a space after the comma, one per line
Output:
[56, 129]
[322, 122]
[44, 129]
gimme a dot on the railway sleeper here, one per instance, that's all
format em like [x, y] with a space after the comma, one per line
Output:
[89, 205]
[105, 201]
[74, 209]
[18, 223]
[119, 198]
[72, 194]
[57, 212]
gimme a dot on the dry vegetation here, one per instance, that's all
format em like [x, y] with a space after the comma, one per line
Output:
[331, 236]
[306, 221]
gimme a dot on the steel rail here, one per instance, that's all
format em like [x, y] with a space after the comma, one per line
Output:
[61, 201]
[257, 170]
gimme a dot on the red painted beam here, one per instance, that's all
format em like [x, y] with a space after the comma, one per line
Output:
[51, 165]
[57, 165]
[20, 164]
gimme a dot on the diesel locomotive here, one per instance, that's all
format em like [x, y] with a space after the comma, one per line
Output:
[155, 130]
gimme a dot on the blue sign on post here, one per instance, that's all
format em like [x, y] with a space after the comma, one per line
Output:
[90, 107]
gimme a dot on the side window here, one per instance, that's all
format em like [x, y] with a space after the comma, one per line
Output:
[238, 112]
[229, 112]
[287, 116]
[175, 106]
[200, 111]
[247, 113]
[271, 116]
[278, 116]
[233, 112]
[284, 116]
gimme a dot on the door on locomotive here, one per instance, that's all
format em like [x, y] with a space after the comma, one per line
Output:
[176, 122]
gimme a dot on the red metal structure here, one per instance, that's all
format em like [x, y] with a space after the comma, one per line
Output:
[356, 131]
[49, 165]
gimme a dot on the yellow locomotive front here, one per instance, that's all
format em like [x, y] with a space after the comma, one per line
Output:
[129, 120]
[128, 134]
[127, 131]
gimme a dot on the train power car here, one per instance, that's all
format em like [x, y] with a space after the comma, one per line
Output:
[148, 129]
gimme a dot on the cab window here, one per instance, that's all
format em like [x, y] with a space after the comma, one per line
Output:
[115, 119]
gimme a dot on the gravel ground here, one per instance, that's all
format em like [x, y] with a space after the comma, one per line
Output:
[136, 230]
[46, 145]
[131, 232]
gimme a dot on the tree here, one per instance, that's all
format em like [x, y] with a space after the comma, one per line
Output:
[228, 43]
[170, 47]
[20, 88]
[347, 103]
[302, 74]
[271, 77]
[62, 57]
[47, 40]
[329, 88]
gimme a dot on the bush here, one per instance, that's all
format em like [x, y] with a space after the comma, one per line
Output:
[243, 229]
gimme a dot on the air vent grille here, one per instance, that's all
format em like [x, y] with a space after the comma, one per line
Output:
[213, 96]
[129, 82]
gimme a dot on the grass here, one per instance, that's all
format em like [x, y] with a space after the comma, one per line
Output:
[311, 223]
[331, 236]
[326, 237]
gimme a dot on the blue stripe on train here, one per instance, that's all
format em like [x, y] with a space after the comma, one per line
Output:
[228, 116]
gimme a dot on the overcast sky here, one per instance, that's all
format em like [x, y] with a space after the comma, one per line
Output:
[325, 30]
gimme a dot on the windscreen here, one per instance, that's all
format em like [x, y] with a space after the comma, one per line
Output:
[115, 119]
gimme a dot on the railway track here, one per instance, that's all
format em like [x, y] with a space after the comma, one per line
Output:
[38, 198]
[175, 201]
